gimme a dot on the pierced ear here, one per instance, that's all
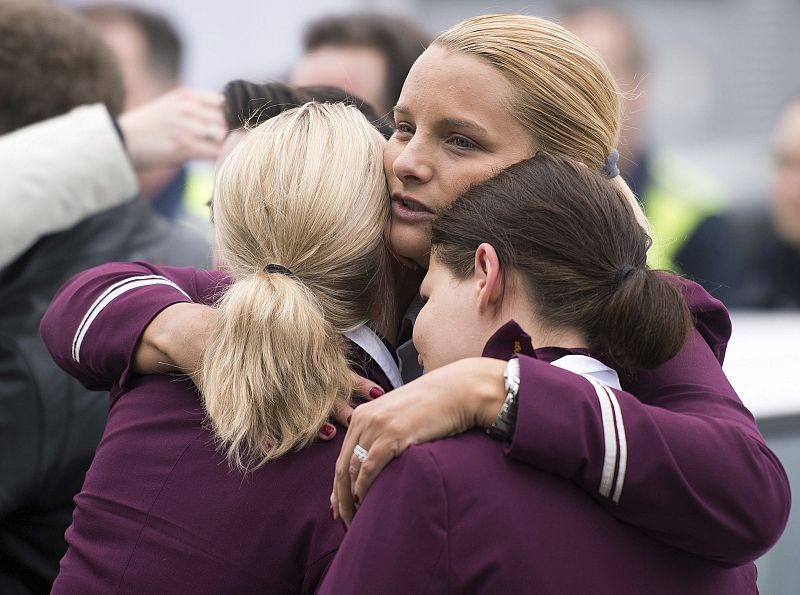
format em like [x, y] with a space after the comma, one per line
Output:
[489, 277]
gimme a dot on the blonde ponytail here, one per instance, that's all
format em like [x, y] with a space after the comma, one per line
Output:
[305, 190]
[273, 369]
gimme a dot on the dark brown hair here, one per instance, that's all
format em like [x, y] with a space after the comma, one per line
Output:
[51, 62]
[574, 240]
[253, 103]
[397, 39]
[164, 46]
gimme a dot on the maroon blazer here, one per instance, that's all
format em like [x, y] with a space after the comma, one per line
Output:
[698, 475]
[160, 510]
[457, 516]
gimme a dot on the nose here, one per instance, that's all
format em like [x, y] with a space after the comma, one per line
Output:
[414, 164]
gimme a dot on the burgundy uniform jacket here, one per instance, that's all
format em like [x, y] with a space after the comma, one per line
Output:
[160, 510]
[457, 516]
[697, 475]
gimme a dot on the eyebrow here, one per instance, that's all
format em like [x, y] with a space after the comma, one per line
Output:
[448, 122]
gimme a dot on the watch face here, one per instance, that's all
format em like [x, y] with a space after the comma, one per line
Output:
[511, 375]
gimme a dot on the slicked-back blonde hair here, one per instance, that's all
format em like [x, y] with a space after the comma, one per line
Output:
[564, 93]
[305, 190]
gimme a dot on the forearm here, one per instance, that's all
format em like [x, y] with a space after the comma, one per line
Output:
[98, 319]
[473, 387]
[174, 340]
[690, 469]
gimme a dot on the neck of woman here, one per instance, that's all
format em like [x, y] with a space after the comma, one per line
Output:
[542, 334]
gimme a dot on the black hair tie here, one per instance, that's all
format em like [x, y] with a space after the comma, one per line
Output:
[278, 268]
[623, 273]
[610, 168]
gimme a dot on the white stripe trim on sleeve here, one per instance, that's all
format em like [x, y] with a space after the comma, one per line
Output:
[609, 435]
[108, 296]
[623, 445]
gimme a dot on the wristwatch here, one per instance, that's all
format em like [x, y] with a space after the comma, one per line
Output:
[502, 427]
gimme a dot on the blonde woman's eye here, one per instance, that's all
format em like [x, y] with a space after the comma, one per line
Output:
[462, 142]
[403, 128]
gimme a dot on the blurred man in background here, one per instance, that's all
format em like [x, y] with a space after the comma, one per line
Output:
[682, 204]
[150, 53]
[368, 55]
[51, 63]
[769, 242]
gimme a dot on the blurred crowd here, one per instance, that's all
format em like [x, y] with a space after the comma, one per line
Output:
[98, 137]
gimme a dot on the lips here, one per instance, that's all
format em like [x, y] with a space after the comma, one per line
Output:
[406, 208]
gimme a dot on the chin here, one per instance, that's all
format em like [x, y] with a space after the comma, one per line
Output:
[411, 242]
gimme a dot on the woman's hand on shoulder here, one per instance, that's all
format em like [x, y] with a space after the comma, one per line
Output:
[342, 412]
[447, 401]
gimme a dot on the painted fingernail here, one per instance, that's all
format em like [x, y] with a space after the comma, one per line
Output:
[375, 393]
[349, 417]
[327, 430]
[356, 499]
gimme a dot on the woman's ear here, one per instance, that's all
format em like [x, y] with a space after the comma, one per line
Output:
[488, 277]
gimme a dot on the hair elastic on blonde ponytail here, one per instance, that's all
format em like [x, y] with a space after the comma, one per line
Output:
[277, 268]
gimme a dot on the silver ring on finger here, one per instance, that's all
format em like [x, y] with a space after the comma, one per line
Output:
[360, 453]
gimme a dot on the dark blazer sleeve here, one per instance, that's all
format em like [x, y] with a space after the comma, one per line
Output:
[684, 461]
[19, 428]
[94, 323]
[398, 541]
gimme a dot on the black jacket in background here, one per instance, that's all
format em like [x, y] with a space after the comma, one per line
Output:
[767, 275]
[49, 423]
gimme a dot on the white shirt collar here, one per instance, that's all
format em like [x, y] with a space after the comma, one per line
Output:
[589, 367]
[366, 338]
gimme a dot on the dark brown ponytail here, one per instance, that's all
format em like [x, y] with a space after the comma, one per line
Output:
[574, 239]
[644, 322]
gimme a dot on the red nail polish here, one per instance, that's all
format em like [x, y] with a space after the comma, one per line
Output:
[375, 393]
[356, 499]
[327, 430]
[349, 417]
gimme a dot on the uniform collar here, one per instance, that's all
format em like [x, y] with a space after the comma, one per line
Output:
[508, 341]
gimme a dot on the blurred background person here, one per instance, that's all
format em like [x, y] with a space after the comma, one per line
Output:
[366, 54]
[51, 63]
[64, 169]
[150, 53]
[682, 203]
[769, 239]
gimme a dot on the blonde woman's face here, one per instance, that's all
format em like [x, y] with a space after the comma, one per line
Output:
[454, 128]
